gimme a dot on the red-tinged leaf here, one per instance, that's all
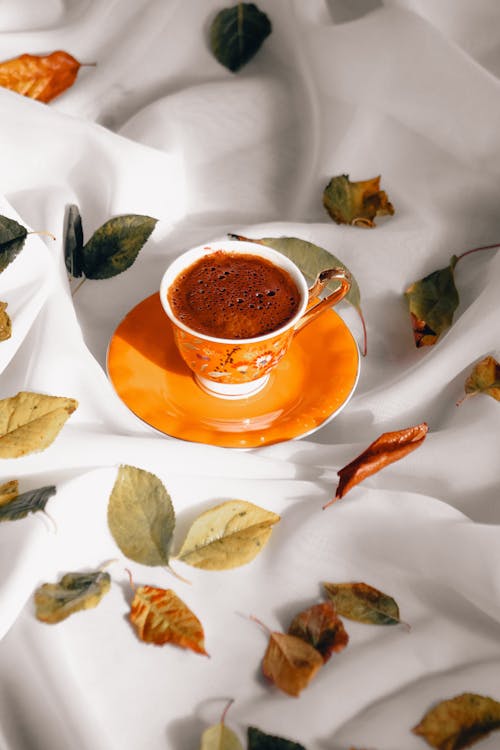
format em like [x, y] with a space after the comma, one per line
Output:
[459, 722]
[160, 617]
[389, 447]
[290, 663]
[321, 628]
[41, 77]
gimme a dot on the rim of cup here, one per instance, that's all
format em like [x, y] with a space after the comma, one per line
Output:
[241, 247]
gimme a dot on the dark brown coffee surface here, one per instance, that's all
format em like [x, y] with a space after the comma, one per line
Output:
[234, 296]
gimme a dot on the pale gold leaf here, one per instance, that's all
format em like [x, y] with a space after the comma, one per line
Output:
[30, 422]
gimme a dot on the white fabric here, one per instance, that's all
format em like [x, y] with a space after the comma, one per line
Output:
[404, 88]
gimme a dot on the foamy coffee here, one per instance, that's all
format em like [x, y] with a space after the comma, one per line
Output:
[234, 296]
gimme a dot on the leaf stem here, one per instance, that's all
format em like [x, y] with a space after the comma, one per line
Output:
[177, 575]
[259, 622]
[78, 286]
[476, 250]
[131, 580]
[365, 336]
[224, 713]
[43, 233]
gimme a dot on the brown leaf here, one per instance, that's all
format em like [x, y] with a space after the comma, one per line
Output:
[389, 447]
[290, 663]
[355, 203]
[484, 378]
[9, 491]
[31, 421]
[459, 722]
[5, 323]
[363, 603]
[41, 77]
[321, 628]
[160, 617]
[55, 602]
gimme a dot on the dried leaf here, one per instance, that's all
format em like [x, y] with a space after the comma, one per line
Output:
[312, 259]
[459, 722]
[290, 663]
[484, 378]
[363, 603]
[115, 245]
[160, 617]
[432, 302]
[227, 536]
[356, 203]
[9, 491]
[389, 447]
[12, 237]
[5, 323]
[55, 602]
[141, 516]
[258, 740]
[220, 737]
[237, 33]
[27, 502]
[31, 421]
[321, 628]
[41, 77]
[73, 242]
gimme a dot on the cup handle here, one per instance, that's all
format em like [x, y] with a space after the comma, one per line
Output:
[316, 308]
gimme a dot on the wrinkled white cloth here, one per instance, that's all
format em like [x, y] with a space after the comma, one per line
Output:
[408, 89]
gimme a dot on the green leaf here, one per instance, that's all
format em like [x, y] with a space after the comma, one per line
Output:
[432, 302]
[237, 33]
[363, 603]
[73, 241]
[227, 536]
[220, 737]
[55, 602]
[258, 740]
[115, 245]
[141, 516]
[355, 203]
[459, 722]
[12, 237]
[27, 502]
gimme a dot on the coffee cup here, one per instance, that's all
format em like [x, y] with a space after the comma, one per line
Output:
[235, 307]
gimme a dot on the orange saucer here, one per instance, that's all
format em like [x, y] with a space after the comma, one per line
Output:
[310, 385]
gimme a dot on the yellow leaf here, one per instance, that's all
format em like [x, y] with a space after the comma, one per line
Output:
[459, 722]
[9, 491]
[219, 737]
[5, 323]
[484, 378]
[30, 422]
[227, 536]
[55, 602]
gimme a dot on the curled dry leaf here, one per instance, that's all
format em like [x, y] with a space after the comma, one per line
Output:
[356, 203]
[160, 617]
[18, 506]
[5, 323]
[237, 33]
[432, 302]
[9, 491]
[258, 740]
[290, 662]
[484, 378]
[12, 237]
[227, 536]
[321, 628]
[114, 246]
[459, 722]
[30, 422]
[389, 447]
[141, 516]
[363, 603]
[41, 77]
[55, 602]
[73, 241]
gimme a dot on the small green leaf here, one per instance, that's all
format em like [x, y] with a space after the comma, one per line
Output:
[73, 241]
[363, 603]
[115, 245]
[356, 203]
[459, 722]
[12, 237]
[141, 516]
[55, 602]
[237, 33]
[432, 302]
[258, 740]
[27, 502]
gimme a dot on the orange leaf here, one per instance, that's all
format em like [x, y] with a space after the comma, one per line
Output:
[38, 76]
[389, 447]
[321, 628]
[290, 663]
[160, 617]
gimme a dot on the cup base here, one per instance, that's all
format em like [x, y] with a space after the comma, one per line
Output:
[231, 390]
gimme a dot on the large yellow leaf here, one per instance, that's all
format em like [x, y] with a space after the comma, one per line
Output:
[227, 536]
[220, 737]
[29, 422]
